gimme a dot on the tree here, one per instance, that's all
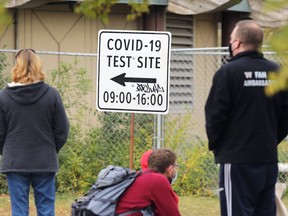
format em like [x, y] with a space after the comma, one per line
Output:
[100, 9]
[278, 43]
[4, 15]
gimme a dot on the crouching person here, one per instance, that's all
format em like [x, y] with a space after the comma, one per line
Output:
[152, 187]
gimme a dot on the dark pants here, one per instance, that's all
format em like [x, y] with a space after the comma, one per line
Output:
[248, 189]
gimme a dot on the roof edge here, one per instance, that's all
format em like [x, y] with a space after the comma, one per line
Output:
[37, 3]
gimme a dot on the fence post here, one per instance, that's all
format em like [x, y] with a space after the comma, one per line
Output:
[131, 139]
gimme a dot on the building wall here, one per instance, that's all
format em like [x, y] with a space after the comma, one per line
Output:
[205, 37]
[54, 28]
[205, 30]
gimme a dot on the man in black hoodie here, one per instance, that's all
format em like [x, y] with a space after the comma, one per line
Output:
[244, 126]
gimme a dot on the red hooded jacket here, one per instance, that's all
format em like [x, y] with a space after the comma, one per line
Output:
[150, 188]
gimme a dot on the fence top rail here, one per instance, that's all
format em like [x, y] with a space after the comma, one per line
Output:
[198, 51]
[54, 53]
[192, 52]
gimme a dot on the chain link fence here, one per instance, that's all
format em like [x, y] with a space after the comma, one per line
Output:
[121, 138]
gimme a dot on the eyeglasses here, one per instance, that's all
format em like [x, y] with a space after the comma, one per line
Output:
[26, 50]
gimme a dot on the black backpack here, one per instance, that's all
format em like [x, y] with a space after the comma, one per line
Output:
[101, 199]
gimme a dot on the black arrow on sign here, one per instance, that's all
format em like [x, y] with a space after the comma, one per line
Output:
[121, 79]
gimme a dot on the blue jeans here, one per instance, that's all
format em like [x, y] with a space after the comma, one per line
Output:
[43, 185]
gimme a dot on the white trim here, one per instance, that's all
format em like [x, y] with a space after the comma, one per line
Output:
[228, 188]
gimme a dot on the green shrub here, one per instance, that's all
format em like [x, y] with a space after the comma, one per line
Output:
[73, 84]
[115, 137]
[79, 162]
[3, 80]
[195, 175]
[84, 156]
[3, 64]
[198, 173]
[283, 158]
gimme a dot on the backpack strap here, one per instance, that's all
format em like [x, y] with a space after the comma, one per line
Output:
[129, 212]
[148, 211]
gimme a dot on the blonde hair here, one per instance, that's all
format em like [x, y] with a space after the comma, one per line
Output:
[28, 67]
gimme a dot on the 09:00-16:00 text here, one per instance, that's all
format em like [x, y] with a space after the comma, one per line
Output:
[141, 99]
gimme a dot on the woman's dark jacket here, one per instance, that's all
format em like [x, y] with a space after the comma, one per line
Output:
[33, 128]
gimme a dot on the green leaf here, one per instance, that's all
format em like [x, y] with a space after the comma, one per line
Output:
[278, 40]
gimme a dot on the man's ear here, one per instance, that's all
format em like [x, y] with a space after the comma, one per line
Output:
[169, 171]
[238, 43]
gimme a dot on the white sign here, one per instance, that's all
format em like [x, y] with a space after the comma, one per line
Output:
[133, 71]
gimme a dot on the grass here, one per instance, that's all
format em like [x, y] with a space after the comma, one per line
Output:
[189, 206]
[63, 205]
[196, 206]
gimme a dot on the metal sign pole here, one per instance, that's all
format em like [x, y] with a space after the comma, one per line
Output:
[131, 139]
[159, 129]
